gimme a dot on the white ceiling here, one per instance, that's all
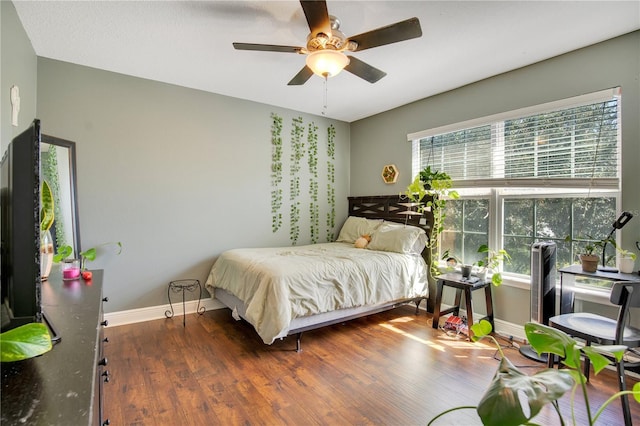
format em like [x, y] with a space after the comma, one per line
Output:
[189, 44]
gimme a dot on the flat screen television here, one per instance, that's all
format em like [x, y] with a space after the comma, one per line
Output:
[20, 230]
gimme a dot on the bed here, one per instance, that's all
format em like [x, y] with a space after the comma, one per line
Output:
[284, 291]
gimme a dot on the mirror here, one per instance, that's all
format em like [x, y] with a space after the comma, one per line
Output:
[58, 168]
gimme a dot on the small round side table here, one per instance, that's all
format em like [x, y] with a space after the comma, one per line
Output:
[180, 286]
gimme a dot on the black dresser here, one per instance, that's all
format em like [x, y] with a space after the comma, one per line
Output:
[64, 386]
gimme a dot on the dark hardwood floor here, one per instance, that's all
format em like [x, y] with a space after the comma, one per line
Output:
[387, 369]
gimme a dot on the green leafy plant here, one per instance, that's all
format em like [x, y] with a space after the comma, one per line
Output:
[591, 244]
[331, 180]
[297, 152]
[312, 161]
[491, 261]
[627, 253]
[26, 341]
[276, 172]
[87, 255]
[432, 188]
[501, 404]
[47, 211]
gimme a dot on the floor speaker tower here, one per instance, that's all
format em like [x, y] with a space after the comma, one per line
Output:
[543, 289]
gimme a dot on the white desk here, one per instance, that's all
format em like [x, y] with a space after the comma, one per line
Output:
[567, 283]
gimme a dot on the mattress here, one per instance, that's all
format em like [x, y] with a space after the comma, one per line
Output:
[278, 285]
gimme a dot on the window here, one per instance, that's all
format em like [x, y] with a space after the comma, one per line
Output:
[538, 174]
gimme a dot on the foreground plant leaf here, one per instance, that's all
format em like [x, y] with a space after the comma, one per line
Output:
[26, 341]
[501, 405]
[545, 339]
[481, 329]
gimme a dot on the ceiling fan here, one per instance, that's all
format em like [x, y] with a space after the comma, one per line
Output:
[326, 45]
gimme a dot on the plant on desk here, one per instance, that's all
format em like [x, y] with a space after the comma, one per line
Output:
[510, 388]
[627, 261]
[588, 257]
[490, 262]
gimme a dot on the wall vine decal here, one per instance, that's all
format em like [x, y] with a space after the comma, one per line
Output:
[276, 172]
[297, 152]
[312, 160]
[331, 180]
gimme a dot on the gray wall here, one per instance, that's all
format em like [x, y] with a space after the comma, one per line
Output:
[18, 66]
[381, 139]
[177, 175]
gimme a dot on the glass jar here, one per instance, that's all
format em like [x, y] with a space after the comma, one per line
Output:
[71, 269]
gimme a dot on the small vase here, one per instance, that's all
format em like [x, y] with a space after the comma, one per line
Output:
[71, 269]
[626, 265]
[46, 254]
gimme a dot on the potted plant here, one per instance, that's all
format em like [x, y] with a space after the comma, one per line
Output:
[515, 398]
[588, 258]
[433, 189]
[627, 260]
[65, 251]
[490, 262]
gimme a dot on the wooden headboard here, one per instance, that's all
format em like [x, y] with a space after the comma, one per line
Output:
[388, 207]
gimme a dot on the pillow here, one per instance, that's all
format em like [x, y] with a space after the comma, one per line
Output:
[396, 238]
[355, 227]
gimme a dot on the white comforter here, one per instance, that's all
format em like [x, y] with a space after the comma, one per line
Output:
[279, 284]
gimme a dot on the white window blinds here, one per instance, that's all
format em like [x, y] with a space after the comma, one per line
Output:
[571, 145]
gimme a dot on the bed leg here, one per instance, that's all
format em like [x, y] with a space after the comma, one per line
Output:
[417, 302]
[298, 345]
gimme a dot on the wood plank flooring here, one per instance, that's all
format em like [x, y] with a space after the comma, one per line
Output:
[390, 368]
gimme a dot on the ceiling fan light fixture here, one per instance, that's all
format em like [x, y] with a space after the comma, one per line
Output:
[327, 63]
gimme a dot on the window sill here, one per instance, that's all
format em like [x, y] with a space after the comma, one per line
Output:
[581, 293]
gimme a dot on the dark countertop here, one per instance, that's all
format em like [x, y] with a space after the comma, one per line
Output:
[57, 388]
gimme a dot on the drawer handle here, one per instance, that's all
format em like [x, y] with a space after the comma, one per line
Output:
[103, 361]
[105, 299]
[104, 323]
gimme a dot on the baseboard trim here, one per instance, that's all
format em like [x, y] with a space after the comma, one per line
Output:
[151, 313]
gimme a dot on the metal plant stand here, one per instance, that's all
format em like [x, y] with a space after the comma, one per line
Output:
[180, 286]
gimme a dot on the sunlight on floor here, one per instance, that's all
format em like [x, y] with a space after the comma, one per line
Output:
[411, 336]
[453, 341]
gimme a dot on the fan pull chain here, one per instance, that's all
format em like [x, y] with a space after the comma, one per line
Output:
[324, 105]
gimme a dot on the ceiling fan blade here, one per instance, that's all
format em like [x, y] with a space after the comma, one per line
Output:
[267, 47]
[400, 31]
[317, 16]
[364, 70]
[302, 77]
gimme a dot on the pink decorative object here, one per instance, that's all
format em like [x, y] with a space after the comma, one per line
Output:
[71, 273]
[71, 269]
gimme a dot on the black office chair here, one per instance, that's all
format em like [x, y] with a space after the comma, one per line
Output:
[604, 331]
